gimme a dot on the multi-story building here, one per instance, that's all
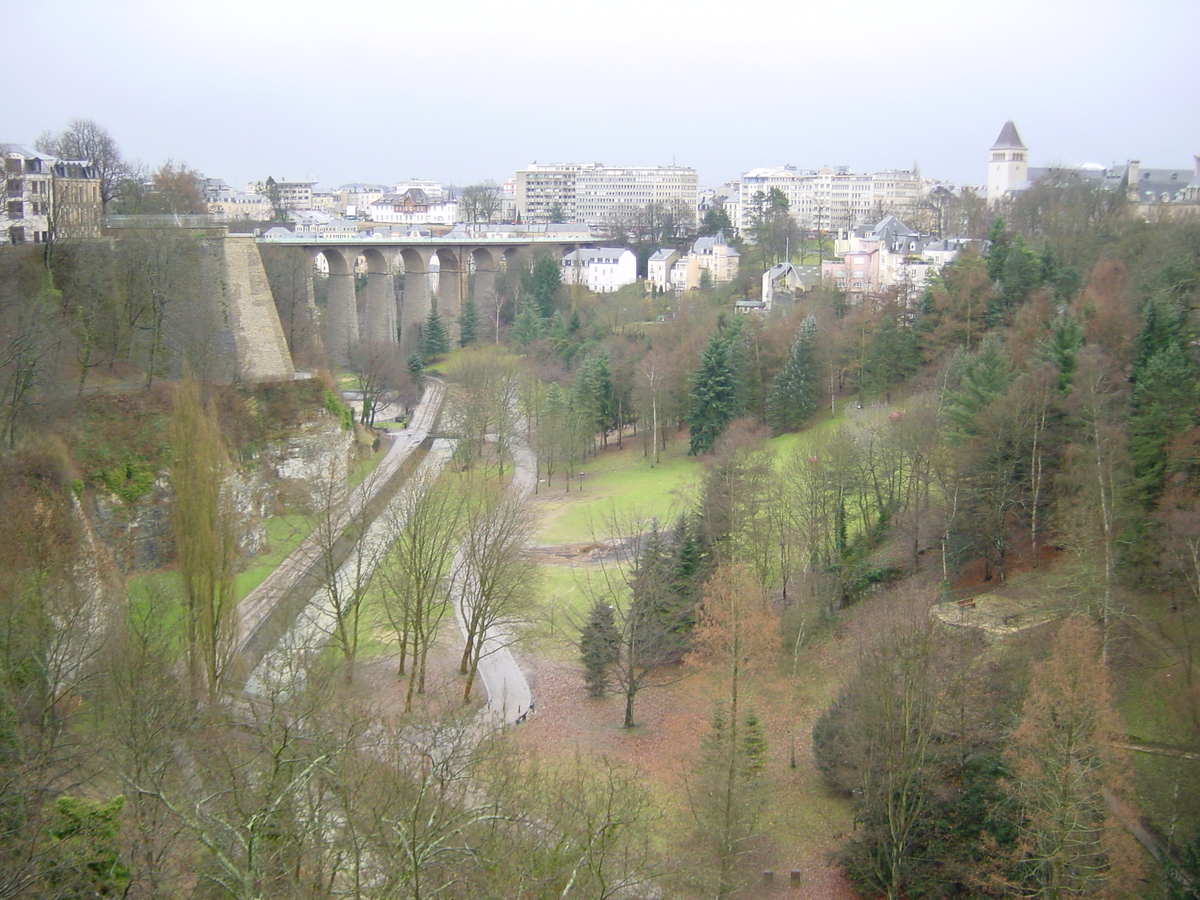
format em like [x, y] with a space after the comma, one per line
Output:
[47, 198]
[292, 194]
[546, 193]
[601, 191]
[828, 198]
[591, 192]
[603, 269]
[413, 207]
[232, 205]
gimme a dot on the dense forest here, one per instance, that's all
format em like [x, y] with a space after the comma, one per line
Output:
[1030, 418]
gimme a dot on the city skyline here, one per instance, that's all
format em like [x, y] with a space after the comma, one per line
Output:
[468, 91]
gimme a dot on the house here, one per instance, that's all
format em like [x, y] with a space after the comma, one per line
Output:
[888, 256]
[715, 256]
[47, 198]
[413, 206]
[603, 269]
[658, 269]
[783, 282]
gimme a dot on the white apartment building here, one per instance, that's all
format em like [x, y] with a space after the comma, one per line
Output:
[603, 270]
[589, 192]
[830, 198]
[600, 190]
[541, 190]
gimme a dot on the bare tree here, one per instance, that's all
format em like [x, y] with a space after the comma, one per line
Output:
[494, 576]
[427, 526]
[84, 139]
[480, 202]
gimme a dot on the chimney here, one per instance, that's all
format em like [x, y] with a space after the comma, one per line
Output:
[1196, 166]
[1133, 174]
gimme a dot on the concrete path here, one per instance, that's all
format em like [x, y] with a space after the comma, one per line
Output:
[317, 622]
[509, 696]
[257, 606]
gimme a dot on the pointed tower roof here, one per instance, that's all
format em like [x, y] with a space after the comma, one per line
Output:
[1009, 139]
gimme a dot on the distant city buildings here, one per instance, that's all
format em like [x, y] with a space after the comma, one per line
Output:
[828, 198]
[1153, 191]
[593, 193]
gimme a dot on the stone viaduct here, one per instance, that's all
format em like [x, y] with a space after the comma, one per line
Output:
[465, 268]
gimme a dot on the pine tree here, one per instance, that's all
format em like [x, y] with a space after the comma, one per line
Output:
[714, 394]
[893, 355]
[468, 323]
[528, 326]
[541, 283]
[793, 395]
[1164, 393]
[435, 342]
[599, 645]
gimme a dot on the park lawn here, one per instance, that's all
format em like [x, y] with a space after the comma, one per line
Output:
[620, 486]
[562, 608]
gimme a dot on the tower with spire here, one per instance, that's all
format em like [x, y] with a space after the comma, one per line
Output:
[1008, 164]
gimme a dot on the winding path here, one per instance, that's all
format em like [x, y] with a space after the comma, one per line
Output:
[257, 607]
[510, 698]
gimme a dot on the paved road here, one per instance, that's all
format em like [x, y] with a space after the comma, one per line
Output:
[255, 609]
[508, 691]
[509, 695]
[317, 622]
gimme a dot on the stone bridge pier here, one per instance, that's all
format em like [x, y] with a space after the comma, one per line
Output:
[341, 309]
[467, 268]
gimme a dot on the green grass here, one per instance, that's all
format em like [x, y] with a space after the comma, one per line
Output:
[155, 604]
[284, 534]
[365, 467]
[621, 486]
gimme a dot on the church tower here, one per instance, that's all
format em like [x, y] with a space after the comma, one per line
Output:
[1008, 164]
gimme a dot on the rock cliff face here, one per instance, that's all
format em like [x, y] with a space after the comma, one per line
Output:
[295, 475]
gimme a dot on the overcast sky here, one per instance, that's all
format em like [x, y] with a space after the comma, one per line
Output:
[463, 90]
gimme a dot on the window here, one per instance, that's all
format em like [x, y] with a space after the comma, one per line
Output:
[16, 210]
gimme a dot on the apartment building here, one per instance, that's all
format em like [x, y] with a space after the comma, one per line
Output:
[590, 192]
[831, 197]
[47, 198]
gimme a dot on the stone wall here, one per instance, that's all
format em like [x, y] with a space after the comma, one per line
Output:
[240, 289]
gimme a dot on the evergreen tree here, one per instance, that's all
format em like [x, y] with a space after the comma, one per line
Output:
[528, 326]
[541, 284]
[416, 365]
[793, 395]
[893, 355]
[727, 796]
[434, 340]
[999, 240]
[714, 394]
[468, 323]
[715, 221]
[599, 645]
[593, 395]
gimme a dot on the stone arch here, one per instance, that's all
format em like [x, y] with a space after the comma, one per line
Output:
[379, 315]
[341, 307]
[415, 301]
[452, 285]
[488, 261]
